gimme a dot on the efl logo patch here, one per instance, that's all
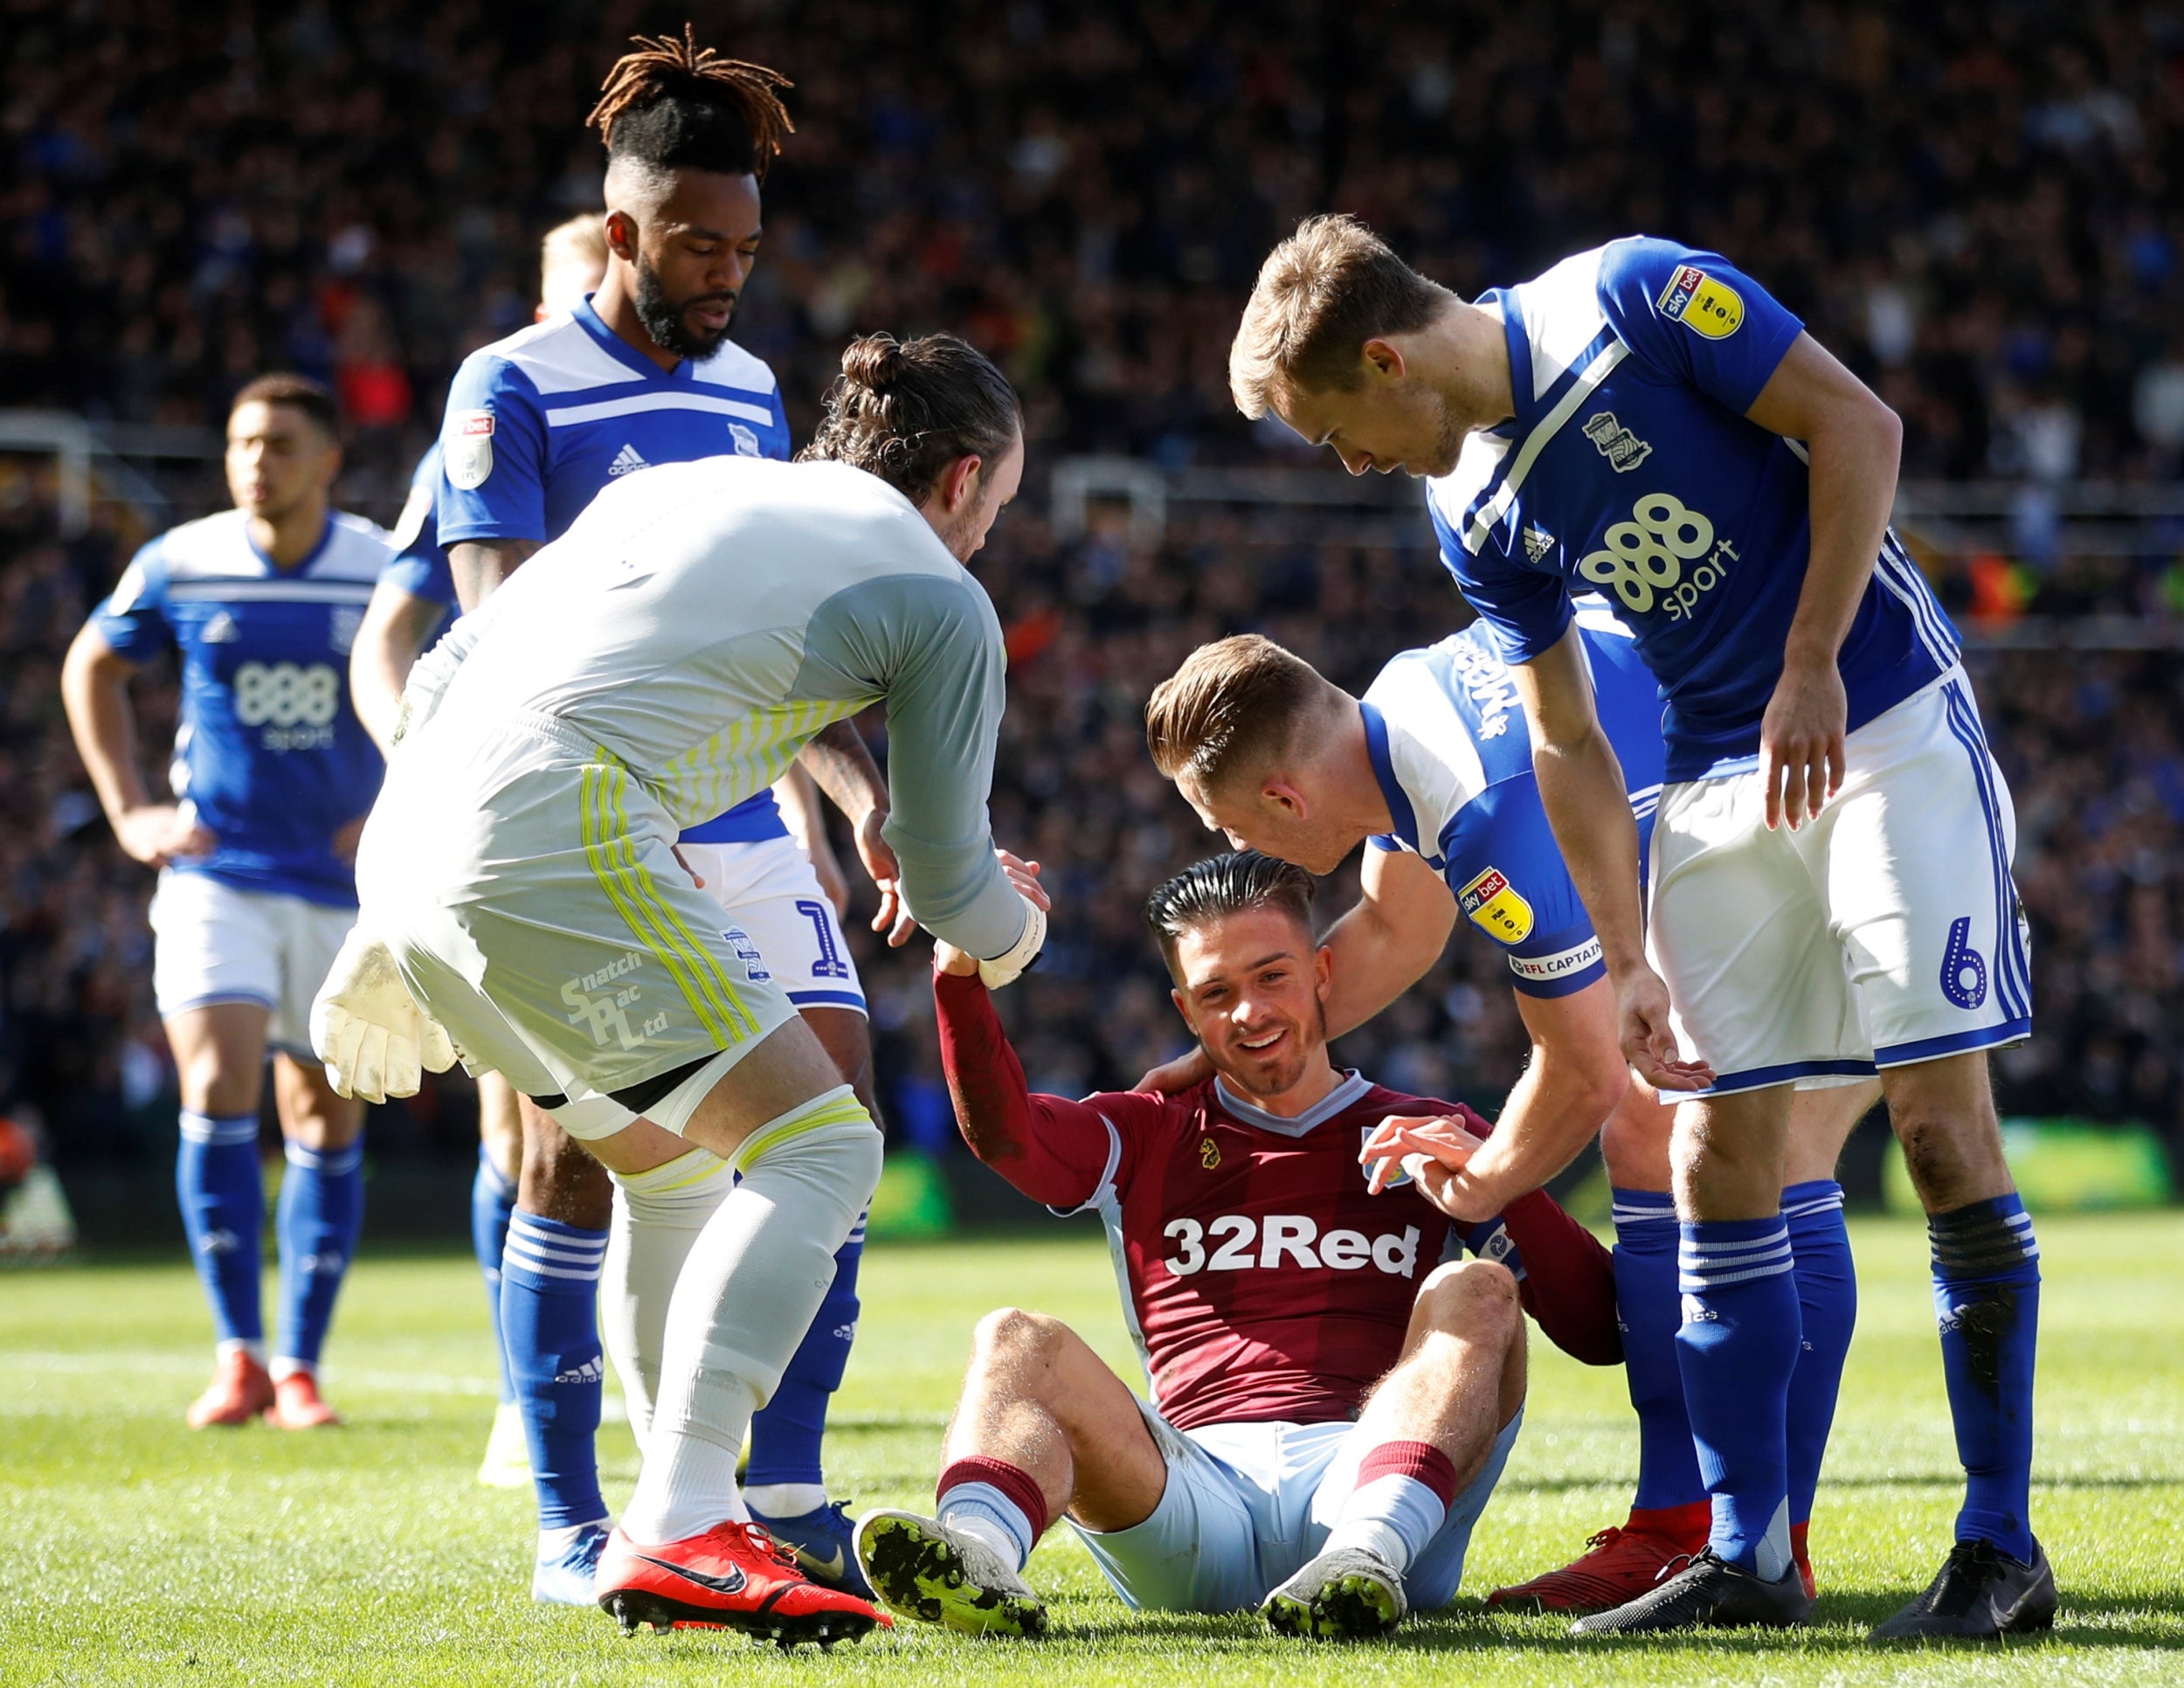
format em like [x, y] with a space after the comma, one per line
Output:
[468, 453]
[1708, 308]
[1496, 908]
[746, 441]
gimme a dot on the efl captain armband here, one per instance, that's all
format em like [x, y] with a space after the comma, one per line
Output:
[1005, 968]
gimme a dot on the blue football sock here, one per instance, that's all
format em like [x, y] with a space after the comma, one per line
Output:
[1647, 1308]
[786, 1434]
[1827, 1308]
[1737, 1346]
[550, 1323]
[1987, 1297]
[320, 1218]
[492, 1204]
[223, 1214]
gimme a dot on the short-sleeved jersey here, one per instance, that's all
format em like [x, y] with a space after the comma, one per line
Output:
[538, 424]
[699, 628]
[419, 564]
[1631, 468]
[1260, 1279]
[270, 753]
[1453, 757]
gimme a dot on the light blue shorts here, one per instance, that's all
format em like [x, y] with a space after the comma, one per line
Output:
[1247, 1505]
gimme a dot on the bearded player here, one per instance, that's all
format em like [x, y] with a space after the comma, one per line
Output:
[1646, 418]
[273, 773]
[413, 598]
[1331, 1405]
[642, 374]
[1433, 766]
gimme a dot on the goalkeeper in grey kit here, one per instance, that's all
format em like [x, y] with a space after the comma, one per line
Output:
[663, 659]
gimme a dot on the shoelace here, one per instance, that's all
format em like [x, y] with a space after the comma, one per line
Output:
[1606, 1537]
[760, 1540]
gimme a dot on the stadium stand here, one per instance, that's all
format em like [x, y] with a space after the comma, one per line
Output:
[1980, 215]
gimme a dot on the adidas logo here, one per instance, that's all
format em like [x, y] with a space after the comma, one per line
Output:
[592, 1371]
[625, 459]
[220, 630]
[1538, 543]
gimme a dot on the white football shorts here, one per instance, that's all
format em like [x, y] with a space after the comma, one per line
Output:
[1247, 1505]
[771, 894]
[1886, 932]
[217, 943]
[528, 888]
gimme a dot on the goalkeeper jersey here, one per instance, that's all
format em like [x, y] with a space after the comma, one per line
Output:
[700, 622]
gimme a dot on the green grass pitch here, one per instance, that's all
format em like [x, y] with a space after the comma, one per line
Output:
[136, 1552]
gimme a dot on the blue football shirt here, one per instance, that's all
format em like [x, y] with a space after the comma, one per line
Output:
[1454, 758]
[538, 423]
[419, 564]
[270, 753]
[1630, 468]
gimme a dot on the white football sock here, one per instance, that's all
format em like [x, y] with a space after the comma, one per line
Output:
[658, 1216]
[784, 1499]
[746, 1293]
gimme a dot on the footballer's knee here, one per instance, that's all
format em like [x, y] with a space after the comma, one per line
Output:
[1010, 1333]
[312, 1113]
[1472, 1300]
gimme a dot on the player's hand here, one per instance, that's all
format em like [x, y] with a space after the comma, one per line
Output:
[365, 1026]
[1025, 876]
[1008, 966]
[156, 833]
[1648, 1041]
[1437, 1152]
[947, 958]
[1181, 1074]
[1800, 742]
[894, 917]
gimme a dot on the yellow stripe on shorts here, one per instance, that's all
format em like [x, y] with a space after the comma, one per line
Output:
[738, 1022]
[599, 852]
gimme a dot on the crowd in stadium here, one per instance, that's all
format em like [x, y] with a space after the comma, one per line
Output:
[1084, 191]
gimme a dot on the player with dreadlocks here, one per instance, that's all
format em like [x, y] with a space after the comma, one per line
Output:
[642, 373]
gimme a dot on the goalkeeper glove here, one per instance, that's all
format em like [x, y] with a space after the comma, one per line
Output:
[372, 1036]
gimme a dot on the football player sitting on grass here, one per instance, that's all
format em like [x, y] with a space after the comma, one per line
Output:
[1334, 1391]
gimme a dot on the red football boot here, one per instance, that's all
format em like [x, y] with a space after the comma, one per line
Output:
[1622, 1564]
[1801, 1556]
[239, 1390]
[296, 1405]
[733, 1577]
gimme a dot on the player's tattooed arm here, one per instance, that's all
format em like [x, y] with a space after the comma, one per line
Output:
[840, 764]
[1853, 442]
[479, 566]
[94, 685]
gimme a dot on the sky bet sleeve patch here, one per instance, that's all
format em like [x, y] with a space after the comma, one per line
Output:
[468, 447]
[1709, 308]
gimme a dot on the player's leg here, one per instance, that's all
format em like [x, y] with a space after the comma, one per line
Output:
[773, 899]
[1043, 1427]
[215, 975]
[219, 1052]
[317, 1224]
[549, 1327]
[507, 1464]
[1820, 1121]
[658, 1217]
[1919, 882]
[1670, 1513]
[321, 1211]
[1427, 1433]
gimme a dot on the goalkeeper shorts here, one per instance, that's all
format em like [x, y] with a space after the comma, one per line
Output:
[528, 888]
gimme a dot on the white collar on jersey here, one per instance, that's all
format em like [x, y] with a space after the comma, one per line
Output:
[1345, 1094]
